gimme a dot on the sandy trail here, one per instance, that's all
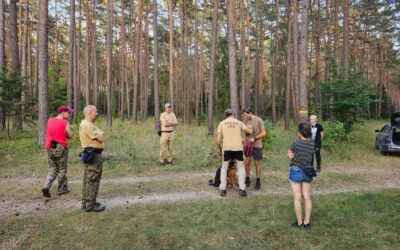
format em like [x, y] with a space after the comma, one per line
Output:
[389, 179]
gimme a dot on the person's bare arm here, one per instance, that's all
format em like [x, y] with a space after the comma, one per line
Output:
[290, 154]
[262, 134]
[100, 138]
[248, 130]
[68, 131]
[219, 140]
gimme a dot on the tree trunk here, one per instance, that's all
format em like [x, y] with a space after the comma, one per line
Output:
[77, 71]
[296, 54]
[328, 40]
[2, 59]
[137, 62]
[24, 57]
[231, 19]
[43, 71]
[303, 99]
[346, 51]
[317, 93]
[275, 64]
[155, 74]
[88, 50]
[122, 56]
[15, 63]
[95, 84]
[214, 33]
[244, 88]
[55, 52]
[248, 63]
[146, 68]
[109, 60]
[197, 64]
[71, 47]
[288, 64]
[171, 53]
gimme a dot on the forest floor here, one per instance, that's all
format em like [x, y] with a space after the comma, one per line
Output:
[22, 196]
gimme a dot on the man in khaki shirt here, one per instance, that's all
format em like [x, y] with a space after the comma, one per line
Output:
[92, 138]
[230, 131]
[168, 125]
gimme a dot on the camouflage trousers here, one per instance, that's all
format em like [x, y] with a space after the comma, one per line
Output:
[57, 169]
[91, 182]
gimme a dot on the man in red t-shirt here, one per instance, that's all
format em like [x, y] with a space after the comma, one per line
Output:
[57, 133]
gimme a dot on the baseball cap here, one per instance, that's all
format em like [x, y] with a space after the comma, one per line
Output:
[64, 108]
[229, 112]
[168, 105]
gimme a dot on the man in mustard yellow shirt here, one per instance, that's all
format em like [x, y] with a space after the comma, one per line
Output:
[230, 131]
[92, 140]
[168, 125]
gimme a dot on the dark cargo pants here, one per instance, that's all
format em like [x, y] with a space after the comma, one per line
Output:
[57, 169]
[91, 182]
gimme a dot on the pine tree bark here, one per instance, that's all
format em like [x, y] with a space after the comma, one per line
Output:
[71, 58]
[137, 62]
[109, 60]
[95, 83]
[155, 74]
[122, 66]
[244, 88]
[296, 54]
[275, 66]
[24, 56]
[317, 93]
[43, 71]
[214, 33]
[171, 53]
[231, 19]
[197, 64]
[88, 50]
[15, 62]
[303, 98]
[2, 59]
[288, 64]
[77, 57]
[346, 41]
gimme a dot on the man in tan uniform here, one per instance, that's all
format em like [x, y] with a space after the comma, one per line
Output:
[230, 131]
[92, 140]
[168, 124]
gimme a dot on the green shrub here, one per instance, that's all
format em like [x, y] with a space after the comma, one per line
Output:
[269, 138]
[335, 134]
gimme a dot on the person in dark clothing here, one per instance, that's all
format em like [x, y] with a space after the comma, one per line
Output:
[317, 132]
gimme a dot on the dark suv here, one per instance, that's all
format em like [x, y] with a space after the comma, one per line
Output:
[388, 138]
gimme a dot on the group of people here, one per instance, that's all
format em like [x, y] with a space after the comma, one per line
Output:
[230, 141]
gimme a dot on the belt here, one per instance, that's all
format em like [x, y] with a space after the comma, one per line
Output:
[167, 131]
[95, 150]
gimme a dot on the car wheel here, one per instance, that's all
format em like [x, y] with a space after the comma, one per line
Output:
[382, 151]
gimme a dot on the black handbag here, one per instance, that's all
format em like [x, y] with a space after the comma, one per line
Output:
[88, 155]
[309, 171]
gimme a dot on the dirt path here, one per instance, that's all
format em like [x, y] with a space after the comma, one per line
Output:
[388, 179]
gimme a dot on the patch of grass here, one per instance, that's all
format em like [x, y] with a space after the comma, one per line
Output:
[341, 221]
[133, 150]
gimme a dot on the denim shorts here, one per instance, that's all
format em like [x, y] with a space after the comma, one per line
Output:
[297, 175]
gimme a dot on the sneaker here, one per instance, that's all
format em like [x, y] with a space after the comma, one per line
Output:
[170, 163]
[257, 186]
[63, 192]
[162, 164]
[83, 207]
[297, 226]
[307, 226]
[46, 192]
[97, 208]
[247, 181]
[318, 169]
[222, 193]
[242, 192]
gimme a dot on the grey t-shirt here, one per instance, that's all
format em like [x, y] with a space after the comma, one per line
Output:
[258, 125]
[303, 151]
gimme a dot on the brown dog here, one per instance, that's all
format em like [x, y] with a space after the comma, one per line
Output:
[232, 179]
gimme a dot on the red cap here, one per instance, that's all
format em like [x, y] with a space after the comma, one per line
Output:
[64, 108]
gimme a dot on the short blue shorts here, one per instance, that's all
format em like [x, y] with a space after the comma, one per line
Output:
[297, 175]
